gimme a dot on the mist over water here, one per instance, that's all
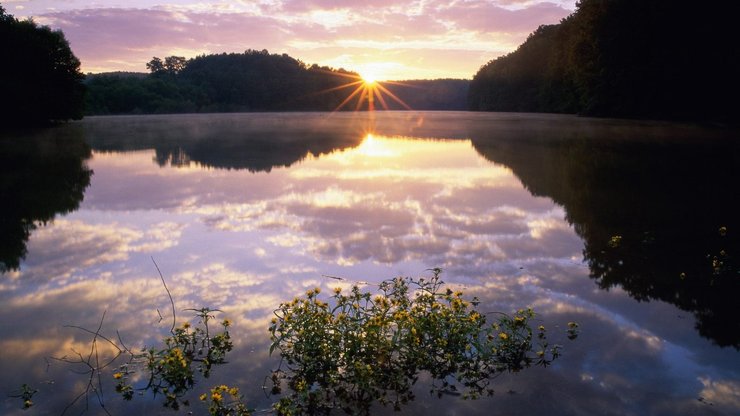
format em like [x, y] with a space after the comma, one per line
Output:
[244, 211]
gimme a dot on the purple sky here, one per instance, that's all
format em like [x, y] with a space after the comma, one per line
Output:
[391, 39]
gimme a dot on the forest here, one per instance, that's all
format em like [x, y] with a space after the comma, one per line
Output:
[654, 59]
[40, 77]
[621, 58]
[253, 81]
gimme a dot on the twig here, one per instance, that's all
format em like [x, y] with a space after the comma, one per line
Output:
[92, 370]
[344, 279]
[97, 334]
[172, 302]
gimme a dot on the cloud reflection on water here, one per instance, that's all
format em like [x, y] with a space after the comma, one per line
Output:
[244, 240]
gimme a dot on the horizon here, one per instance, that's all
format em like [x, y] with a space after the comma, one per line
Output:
[379, 39]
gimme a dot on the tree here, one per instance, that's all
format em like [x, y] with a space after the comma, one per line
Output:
[621, 58]
[175, 64]
[172, 65]
[40, 77]
[155, 65]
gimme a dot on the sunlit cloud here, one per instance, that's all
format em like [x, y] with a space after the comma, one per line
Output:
[244, 241]
[721, 393]
[371, 203]
[431, 36]
[61, 250]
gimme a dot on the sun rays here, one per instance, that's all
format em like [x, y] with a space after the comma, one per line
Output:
[368, 78]
[365, 91]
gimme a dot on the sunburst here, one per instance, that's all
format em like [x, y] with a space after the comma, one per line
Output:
[368, 78]
[367, 88]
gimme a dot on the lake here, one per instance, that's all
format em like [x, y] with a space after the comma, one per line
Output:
[629, 228]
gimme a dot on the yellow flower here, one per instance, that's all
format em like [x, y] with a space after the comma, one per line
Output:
[541, 327]
[226, 323]
[216, 396]
[300, 385]
[337, 290]
[203, 397]
[503, 336]
[186, 325]
[117, 376]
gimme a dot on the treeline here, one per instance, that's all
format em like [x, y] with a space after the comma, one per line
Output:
[40, 78]
[250, 81]
[429, 94]
[621, 58]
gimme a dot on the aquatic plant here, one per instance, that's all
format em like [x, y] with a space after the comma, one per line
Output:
[168, 369]
[25, 393]
[347, 352]
[358, 348]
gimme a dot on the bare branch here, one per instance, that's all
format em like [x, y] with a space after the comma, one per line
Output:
[169, 294]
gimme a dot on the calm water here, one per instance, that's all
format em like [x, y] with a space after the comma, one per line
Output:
[241, 212]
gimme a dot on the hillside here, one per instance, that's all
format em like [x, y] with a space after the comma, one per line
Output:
[255, 81]
[621, 58]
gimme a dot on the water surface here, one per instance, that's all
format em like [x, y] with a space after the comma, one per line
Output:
[243, 211]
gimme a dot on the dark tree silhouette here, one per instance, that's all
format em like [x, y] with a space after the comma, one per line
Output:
[171, 65]
[40, 77]
[253, 81]
[656, 207]
[621, 58]
[155, 65]
[43, 174]
[227, 142]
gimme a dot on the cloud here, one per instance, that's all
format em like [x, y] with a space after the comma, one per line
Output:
[309, 5]
[724, 394]
[430, 36]
[64, 248]
[130, 37]
[487, 17]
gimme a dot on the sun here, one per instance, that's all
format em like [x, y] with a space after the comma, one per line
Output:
[368, 78]
[365, 89]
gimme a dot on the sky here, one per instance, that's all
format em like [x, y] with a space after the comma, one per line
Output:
[385, 39]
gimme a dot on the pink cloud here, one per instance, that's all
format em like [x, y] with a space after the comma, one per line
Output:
[308, 5]
[413, 33]
[484, 16]
[135, 35]
[390, 27]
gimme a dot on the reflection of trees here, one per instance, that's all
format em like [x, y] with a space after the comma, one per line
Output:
[665, 192]
[41, 175]
[225, 141]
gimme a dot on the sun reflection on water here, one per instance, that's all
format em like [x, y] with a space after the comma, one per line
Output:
[243, 241]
